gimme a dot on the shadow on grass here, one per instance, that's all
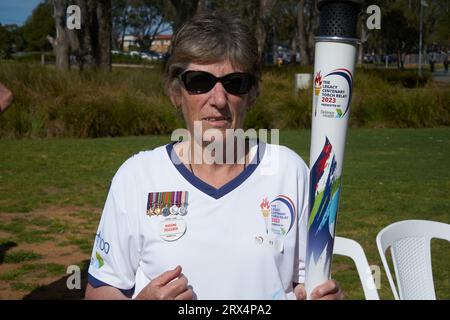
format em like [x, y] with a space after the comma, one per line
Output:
[58, 290]
[5, 247]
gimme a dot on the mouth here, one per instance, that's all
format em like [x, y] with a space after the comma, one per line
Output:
[219, 121]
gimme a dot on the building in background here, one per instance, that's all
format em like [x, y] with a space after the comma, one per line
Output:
[161, 43]
[129, 41]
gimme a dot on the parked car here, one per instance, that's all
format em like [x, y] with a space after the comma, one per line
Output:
[157, 55]
[369, 58]
[145, 56]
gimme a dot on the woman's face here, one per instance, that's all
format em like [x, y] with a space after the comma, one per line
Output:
[216, 108]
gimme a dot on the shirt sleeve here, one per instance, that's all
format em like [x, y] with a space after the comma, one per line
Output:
[302, 222]
[115, 254]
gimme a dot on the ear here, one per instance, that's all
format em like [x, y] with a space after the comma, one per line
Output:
[175, 98]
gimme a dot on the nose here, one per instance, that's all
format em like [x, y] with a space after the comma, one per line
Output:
[218, 96]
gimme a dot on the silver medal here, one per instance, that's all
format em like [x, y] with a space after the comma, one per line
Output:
[174, 210]
[183, 211]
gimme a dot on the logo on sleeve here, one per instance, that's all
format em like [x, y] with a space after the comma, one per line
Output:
[97, 261]
[101, 246]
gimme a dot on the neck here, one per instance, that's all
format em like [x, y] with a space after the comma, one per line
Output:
[218, 154]
[215, 173]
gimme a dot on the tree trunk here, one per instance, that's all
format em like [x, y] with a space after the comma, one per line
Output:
[302, 39]
[293, 50]
[363, 39]
[307, 23]
[94, 37]
[61, 43]
[103, 53]
[92, 43]
[87, 35]
[263, 11]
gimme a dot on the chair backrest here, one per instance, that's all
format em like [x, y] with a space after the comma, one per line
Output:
[409, 243]
[352, 249]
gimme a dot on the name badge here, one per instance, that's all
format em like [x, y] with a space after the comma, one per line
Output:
[172, 229]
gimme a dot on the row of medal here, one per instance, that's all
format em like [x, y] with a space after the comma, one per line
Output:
[167, 203]
[171, 206]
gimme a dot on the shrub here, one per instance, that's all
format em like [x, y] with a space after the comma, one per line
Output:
[126, 101]
[406, 78]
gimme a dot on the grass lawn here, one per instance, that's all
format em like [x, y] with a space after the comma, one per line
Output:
[52, 192]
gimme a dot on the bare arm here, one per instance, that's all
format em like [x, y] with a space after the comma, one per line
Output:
[104, 293]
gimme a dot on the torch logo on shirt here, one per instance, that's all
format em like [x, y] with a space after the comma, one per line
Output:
[281, 212]
[265, 210]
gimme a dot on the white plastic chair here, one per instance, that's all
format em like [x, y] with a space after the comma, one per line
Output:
[352, 249]
[409, 241]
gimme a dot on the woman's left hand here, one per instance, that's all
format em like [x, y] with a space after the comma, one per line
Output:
[329, 290]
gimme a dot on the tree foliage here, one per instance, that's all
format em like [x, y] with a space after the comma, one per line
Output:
[38, 26]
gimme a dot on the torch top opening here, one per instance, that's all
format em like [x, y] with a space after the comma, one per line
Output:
[339, 18]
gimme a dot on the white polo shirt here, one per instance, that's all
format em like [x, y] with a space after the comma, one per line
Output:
[245, 240]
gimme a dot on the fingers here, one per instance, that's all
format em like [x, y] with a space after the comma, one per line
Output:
[300, 292]
[329, 290]
[169, 285]
[178, 286]
[167, 276]
[186, 295]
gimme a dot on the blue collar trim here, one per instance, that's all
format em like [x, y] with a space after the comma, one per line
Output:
[205, 187]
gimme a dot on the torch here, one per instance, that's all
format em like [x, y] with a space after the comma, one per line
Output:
[335, 55]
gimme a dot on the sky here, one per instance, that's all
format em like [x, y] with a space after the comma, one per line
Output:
[16, 11]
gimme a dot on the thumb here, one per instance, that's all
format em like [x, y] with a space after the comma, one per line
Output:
[300, 292]
[167, 276]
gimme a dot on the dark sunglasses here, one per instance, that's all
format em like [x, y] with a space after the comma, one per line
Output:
[201, 82]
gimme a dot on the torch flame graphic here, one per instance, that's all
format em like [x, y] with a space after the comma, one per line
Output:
[265, 209]
[317, 83]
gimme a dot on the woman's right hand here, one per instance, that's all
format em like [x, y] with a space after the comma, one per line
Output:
[171, 285]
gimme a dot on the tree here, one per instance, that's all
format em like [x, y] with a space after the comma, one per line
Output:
[91, 44]
[6, 41]
[400, 34]
[120, 21]
[184, 10]
[38, 26]
[262, 24]
[284, 22]
[257, 14]
[307, 25]
[60, 43]
[147, 20]
[103, 48]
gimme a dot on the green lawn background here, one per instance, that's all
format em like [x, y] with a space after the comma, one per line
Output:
[389, 175]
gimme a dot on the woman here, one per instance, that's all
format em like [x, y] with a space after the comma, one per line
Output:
[177, 226]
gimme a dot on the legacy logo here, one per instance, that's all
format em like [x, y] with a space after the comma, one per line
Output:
[101, 244]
